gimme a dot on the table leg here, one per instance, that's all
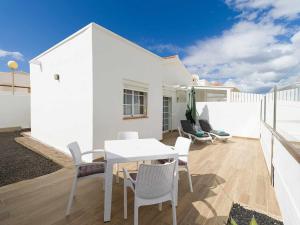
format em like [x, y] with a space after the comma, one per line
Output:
[176, 182]
[108, 191]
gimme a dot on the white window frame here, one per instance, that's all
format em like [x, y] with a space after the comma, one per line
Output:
[133, 104]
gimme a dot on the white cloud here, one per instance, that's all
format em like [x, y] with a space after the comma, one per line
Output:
[255, 54]
[15, 55]
[276, 9]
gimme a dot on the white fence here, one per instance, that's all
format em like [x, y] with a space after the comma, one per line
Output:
[292, 94]
[245, 97]
[285, 172]
[239, 119]
[287, 111]
[14, 110]
[289, 95]
[280, 141]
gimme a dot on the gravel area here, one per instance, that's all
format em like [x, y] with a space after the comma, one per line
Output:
[18, 163]
[243, 216]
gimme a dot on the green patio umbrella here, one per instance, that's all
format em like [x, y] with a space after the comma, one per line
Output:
[191, 111]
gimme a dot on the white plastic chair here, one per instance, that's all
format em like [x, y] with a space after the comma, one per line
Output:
[126, 135]
[154, 184]
[83, 169]
[182, 147]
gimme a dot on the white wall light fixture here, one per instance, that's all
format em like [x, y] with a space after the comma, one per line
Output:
[56, 77]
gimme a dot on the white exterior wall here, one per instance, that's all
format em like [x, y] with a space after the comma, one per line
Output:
[116, 59]
[176, 73]
[239, 119]
[14, 110]
[61, 111]
[286, 177]
[86, 105]
[288, 120]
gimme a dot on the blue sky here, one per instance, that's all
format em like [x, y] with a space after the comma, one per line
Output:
[35, 26]
[233, 41]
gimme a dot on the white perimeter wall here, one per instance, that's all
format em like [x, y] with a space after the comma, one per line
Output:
[62, 110]
[239, 119]
[288, 120]
[14, 110]
[116, 59]
[286, 177]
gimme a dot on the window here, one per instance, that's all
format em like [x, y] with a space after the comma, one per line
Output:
[181, 96]
[206, 95]
[134, 103]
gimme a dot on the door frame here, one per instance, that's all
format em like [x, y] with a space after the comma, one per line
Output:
[170, 114]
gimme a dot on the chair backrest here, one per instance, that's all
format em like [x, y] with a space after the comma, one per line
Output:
[128, 135]
[154, 181]
[205, 125]
[187, 126]
[182, 147]
[75, 151]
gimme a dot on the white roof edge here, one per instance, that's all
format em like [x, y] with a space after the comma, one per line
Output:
[176, 59]
[92, 24]
[126, 40]
[62, 42]
[215, 87]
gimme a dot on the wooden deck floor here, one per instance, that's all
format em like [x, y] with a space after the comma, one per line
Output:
[222, 173]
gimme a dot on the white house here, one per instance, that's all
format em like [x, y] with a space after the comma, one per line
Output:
[84, 88]
[212, 91]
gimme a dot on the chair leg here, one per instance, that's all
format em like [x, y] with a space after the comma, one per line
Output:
[73, 190]
[117, 176]
[190, 179]
[160, 206]
[136, 213]
[125, 200]
[103, 184]
[174, 212]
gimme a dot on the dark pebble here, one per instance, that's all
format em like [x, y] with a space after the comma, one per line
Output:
[18, 163]
[243, 216]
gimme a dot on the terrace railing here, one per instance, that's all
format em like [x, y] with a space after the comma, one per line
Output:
[280, 141]
[245, 97]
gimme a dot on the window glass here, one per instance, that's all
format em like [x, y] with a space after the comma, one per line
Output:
[134, 103]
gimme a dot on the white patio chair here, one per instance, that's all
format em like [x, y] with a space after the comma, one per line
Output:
[126, 135]
[182, 147]
[84, 170]
[153, 184]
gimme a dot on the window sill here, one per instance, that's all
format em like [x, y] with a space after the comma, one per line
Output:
[134, 117]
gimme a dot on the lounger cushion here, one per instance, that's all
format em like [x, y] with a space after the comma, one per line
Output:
[200, 133]
[203, 135]
[205, 125]
[187, 127]
[90, 169]
[220, 133]
[133, 177]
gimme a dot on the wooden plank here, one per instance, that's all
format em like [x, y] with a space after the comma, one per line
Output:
[222, 173]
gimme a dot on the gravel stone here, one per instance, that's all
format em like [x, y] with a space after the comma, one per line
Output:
[243, 216]
[18, 163]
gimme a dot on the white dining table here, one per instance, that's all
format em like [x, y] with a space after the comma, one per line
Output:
[122, 151]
